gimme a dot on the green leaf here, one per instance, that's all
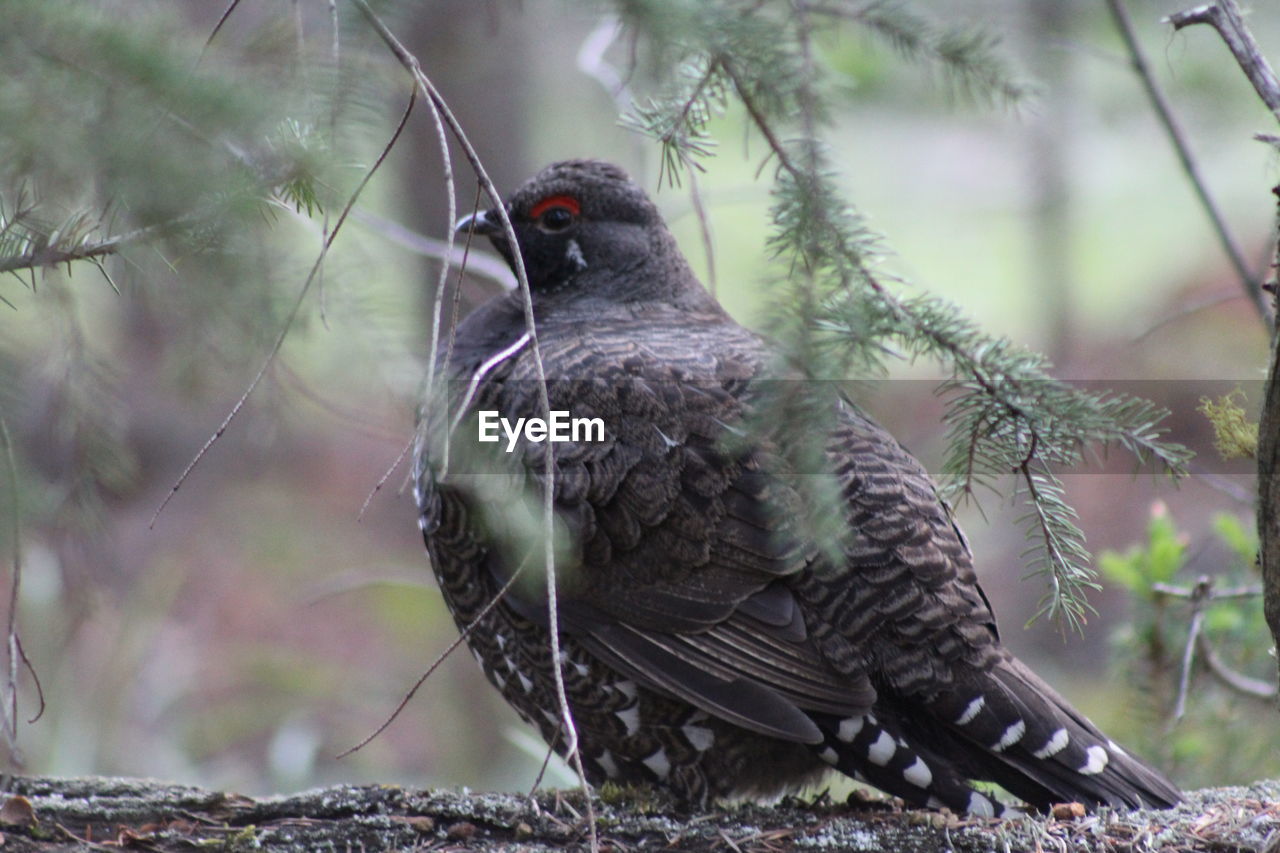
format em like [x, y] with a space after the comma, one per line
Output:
[1233, 533]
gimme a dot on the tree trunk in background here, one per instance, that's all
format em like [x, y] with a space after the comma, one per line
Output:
[1051, 58]
[472, 52]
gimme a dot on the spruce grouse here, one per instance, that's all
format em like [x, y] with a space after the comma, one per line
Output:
[706, 647]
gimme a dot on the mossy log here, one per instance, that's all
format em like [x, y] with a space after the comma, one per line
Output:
[45, 814]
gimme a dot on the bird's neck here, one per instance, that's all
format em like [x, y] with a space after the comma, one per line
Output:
[658, 276]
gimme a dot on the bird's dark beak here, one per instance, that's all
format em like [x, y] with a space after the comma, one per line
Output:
[482, 222]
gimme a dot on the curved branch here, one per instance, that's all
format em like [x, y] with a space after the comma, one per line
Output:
[1251, 282]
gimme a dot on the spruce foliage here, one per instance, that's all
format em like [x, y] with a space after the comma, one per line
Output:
[231, 154]
[1006, 414]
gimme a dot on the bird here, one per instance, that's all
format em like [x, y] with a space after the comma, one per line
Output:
[709, 646]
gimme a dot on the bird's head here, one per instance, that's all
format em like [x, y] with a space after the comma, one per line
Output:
[585, 225]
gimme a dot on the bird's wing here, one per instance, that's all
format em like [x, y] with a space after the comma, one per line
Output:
[680, 538]
[906, 591]
[918, 612]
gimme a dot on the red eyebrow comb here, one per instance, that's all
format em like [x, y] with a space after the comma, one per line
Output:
[565, 201]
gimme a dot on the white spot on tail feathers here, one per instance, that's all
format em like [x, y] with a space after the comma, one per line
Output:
[1055, 744]
[525, 684]
[607, 764]
[1116, 748]
[849, 729]
[630, 718]
[919, 774]
[626, 688]
[829, 755]
[980, 806]
[971, 711]
[1011, 735]
[700, 738]
[501, 640]
[659, 764]
[1097, 760]
[881, 752]
[581, 669]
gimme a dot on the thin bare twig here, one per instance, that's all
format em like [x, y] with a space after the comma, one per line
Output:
[410, 62]
[487, 267]
[704, 228]
[382, 481]
[453, 318]
[1251, 282]
[1182, 313]
[222, 19]
[1225, 17]
[1211, 593]
[1188, 657]
[422, 679]
[10, 703]
[546, 762]
[1237, 681]
[451, 200]
[293, 313]
[17, 655]
[1201, 595]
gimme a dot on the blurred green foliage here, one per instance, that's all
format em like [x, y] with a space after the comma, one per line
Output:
[1212, 740]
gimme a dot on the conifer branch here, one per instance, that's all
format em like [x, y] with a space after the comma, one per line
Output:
[969, 56]
[1006, 414]
[55, 251]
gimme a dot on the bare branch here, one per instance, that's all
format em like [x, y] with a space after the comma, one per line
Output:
[410, 62]
[1188, 658]
[1211, 594]
[1251, 282]
[1225, 17]
[422, 679]
[1237, 681]
[10, 703]
[293, 312]
[226, 13]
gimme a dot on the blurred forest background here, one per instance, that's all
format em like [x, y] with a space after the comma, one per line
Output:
[263, 624]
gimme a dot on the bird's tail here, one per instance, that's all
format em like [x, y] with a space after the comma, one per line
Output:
[1004, 725]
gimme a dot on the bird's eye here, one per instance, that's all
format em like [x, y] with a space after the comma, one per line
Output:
[556, 219]
[555, 213]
